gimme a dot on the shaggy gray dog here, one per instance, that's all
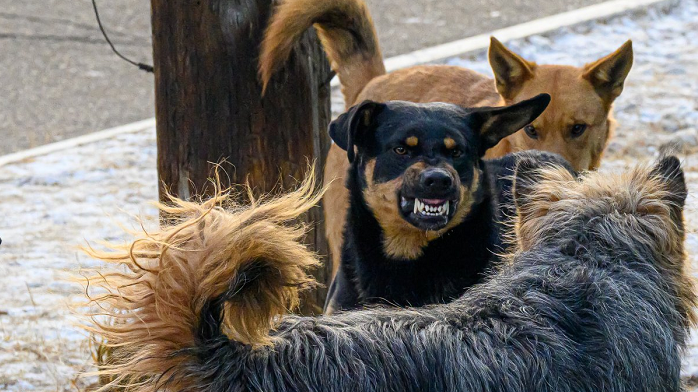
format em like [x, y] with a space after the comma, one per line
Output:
[595, 299]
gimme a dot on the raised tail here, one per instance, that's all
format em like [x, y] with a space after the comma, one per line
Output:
[346, 30]
[223, 271]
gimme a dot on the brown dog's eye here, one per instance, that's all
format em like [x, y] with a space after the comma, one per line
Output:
[578, 129]
[400, 150]
[456, 152]
[531, 131]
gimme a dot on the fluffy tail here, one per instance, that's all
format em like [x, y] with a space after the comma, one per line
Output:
[222, 269]
[346, 30]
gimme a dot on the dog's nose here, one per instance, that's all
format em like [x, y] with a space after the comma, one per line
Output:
[436, 180]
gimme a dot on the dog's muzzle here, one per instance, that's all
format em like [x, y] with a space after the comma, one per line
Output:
[430, 201]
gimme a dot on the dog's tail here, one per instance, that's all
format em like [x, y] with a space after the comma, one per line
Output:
[221, 271]
[346, 30]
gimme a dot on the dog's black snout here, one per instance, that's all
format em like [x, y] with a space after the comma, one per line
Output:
[436, 180]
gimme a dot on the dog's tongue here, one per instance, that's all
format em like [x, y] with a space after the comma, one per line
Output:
[433, 201]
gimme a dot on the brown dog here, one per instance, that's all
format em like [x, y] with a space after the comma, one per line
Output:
[576, 125]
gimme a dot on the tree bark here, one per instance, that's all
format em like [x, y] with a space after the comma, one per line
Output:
[209, 106]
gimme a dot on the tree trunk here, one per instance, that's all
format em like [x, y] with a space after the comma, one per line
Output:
[209, 106]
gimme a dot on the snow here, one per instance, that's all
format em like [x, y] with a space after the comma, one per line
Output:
[53, 203]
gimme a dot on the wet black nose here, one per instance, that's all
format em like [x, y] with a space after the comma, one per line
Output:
[436, 180]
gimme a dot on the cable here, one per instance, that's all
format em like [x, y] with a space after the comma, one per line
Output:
[144, 67]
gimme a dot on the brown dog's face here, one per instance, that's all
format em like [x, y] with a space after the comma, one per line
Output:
[577, 123]
[417, 166]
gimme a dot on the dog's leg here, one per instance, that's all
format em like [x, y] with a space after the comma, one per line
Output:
[342, 294]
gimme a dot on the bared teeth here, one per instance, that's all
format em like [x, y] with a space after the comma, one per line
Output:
[430, 209]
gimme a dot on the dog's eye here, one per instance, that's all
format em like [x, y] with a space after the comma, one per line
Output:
[400, 150]
[578, 130]
[531, 131]
[456, 152]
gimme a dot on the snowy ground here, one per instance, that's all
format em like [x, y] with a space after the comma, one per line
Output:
[49, 207]
[53, 203]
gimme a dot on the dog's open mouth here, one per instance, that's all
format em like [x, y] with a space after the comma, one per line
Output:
[428, 214]
[431, 207]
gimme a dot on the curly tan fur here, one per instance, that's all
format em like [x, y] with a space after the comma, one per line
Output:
[154, 304]
[346, 30]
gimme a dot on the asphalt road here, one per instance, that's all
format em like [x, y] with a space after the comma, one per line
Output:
[59, 79]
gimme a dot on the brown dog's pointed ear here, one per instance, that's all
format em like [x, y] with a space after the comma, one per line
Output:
[669, 171]
[496, 123]
[352, 128]
[608, 74]
[510, 70]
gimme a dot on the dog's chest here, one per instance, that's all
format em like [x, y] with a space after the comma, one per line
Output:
[448, 267]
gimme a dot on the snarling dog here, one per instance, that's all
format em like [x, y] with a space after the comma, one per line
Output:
[421, 226]
[597, 298]
[577, 124]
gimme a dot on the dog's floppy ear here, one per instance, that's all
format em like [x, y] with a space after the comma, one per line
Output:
[352, 128]
[510, 70]
[496, 123]
[608, 74]
[669, 171]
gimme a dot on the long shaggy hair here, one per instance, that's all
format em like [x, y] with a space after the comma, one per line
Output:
[596, 298]
[216, 248]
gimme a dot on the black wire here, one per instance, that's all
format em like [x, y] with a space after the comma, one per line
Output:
[144, 67]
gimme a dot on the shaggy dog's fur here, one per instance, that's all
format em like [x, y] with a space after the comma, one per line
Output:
[577, 125]
[420, 200]
[597, 298]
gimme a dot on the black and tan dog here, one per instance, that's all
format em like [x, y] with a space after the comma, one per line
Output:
[577, 125]
[421, 226]
[597, 298]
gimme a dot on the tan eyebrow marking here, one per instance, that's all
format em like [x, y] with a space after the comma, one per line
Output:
[412, 141]
[450, 143]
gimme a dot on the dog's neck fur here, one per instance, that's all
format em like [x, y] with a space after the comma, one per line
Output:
[440, 268]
